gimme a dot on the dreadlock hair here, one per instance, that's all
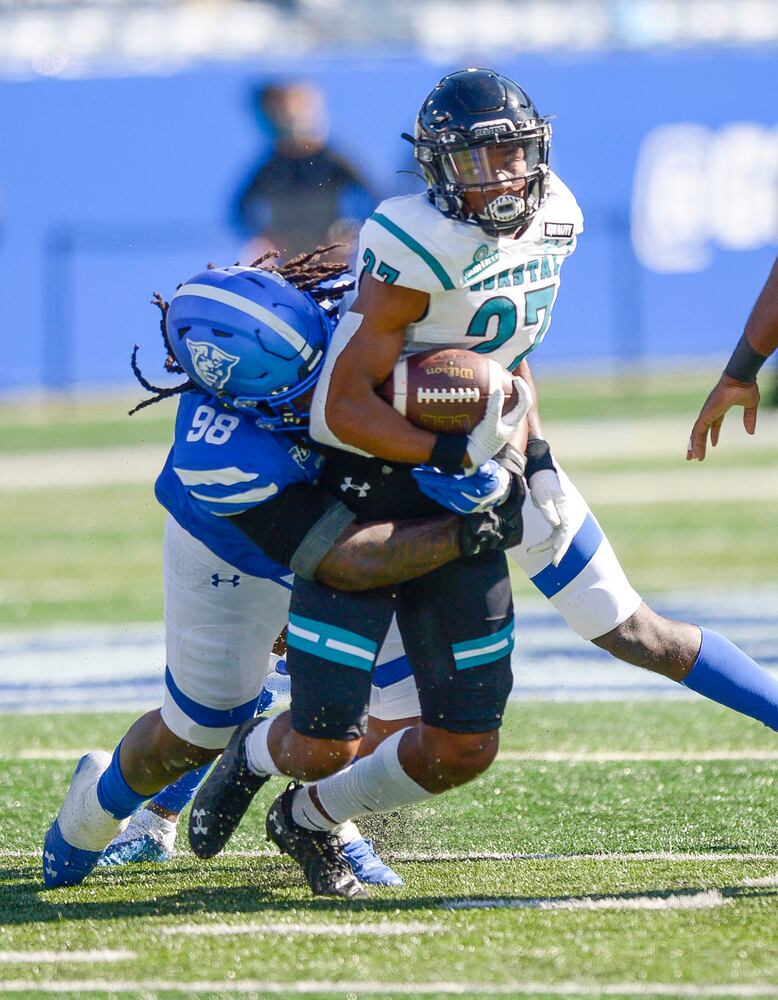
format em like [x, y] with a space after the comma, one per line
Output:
[305, 272]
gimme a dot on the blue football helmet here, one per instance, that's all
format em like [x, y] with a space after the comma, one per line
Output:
[250, 338]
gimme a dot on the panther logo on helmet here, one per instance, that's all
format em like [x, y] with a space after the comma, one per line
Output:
[211, 363]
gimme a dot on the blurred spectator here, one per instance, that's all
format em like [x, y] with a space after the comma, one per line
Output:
[303, 194]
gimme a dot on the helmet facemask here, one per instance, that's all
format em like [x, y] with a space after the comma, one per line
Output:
[495, 180]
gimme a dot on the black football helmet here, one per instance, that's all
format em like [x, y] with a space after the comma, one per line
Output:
[480, 132]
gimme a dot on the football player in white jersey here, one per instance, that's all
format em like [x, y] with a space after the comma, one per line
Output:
[475, 262]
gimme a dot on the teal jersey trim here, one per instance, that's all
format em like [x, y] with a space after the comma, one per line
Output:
[434, 265]
[330, 643]
[476, 652]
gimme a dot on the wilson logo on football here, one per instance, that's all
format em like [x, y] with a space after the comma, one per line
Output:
[451, 371]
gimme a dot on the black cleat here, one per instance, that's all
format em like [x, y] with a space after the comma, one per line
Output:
[319, 854]
[224, 796]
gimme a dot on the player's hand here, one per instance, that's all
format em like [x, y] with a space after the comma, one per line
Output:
[727, 393]
[487, 487]
[547, 495]
[495, 429]
[497, 528]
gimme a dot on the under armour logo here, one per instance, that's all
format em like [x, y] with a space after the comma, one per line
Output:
[197, 825]
[273, 818]
[349, 484]
[216, 580]
[49, 858]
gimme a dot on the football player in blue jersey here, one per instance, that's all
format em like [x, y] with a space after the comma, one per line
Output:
[474, 262]
[240, 485]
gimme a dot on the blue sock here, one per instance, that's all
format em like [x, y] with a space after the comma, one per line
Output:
[113, 792]
[178, 795]
[725, 674]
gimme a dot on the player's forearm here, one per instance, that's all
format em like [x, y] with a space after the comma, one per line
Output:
[360, 419]
[377, 555]
[762, 326]
[533, 417]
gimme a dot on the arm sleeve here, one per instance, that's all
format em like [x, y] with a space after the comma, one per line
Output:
[297, 528]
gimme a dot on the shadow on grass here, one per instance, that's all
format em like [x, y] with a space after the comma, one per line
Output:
[149, 891]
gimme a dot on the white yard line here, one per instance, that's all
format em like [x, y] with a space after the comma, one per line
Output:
[383, 929]
[620, 856]
[681, 857]
[340, 988]
[678, 901]
[466, 856]
[34, 957]
[606, 756]
[755, 883]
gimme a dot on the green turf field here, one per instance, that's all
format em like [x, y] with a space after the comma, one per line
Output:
[615, 849]
[92, 553]
[607, 876]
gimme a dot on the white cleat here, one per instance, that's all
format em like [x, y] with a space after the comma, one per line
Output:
[149, 837]
[82, 829]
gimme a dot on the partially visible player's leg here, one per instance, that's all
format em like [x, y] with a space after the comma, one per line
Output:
[460, 640]
[699, 658]
[394, 699]
[330, 668]
[151, 833]
[591, 591]
[212, 682]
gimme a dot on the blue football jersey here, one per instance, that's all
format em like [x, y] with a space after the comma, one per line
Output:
[220, 464]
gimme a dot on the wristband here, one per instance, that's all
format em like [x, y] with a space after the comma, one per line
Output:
[745, 362]
[511, 459]
[538, 457]
[449, 453]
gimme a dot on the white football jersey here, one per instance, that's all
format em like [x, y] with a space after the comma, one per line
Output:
[489, 294]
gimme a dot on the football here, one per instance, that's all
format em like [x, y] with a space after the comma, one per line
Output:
[445, 391]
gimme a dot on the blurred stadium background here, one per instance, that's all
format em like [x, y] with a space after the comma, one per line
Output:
[127, 133]
[128, 129]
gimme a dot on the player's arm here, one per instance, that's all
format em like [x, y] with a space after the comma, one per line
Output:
[534, 426]
[354, 413]
[737, 385]
[544, 484]
[315, 535]
[374, 331]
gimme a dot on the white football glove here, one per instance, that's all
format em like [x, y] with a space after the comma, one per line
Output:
[546, 492]
[494, 430]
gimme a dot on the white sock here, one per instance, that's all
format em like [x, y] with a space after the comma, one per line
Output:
[96, 828]
[305, 813]
[258, 752]
[374, 785]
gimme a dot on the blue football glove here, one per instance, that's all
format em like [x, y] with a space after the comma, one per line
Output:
[485, 488]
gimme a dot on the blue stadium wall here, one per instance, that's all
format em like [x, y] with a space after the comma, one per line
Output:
[114, 188]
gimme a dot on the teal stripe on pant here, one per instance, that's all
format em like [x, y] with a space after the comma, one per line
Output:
[486, 649]
[330, 643]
